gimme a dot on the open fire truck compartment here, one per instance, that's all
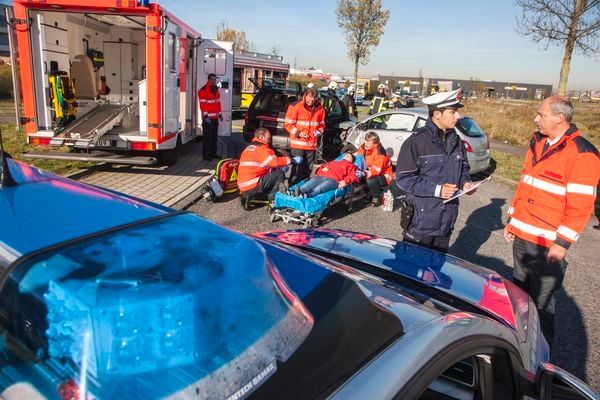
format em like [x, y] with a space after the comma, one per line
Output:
[116, 77]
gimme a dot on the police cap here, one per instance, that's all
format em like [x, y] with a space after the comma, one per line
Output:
[444, 100]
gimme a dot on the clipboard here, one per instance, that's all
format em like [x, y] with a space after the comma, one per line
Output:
[461, 192]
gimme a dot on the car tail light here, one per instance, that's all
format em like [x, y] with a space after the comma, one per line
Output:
[468, 147]
[143, 146]
[42, 141]
[488, 145]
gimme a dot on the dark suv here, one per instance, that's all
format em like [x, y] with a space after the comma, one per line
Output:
[268, 110]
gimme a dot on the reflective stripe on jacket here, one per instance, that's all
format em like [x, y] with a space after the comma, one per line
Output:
[378, 162]
[210, 102]
[556, 192]
[256, 160]
[299, 118]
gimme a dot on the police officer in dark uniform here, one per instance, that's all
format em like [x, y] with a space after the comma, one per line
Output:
[432, 165]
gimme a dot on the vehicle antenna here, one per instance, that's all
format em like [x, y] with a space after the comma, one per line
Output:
[6, 178]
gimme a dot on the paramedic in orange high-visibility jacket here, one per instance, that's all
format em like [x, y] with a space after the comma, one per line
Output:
[210, 106]
[552, 205]
[261, 171]
[305, 122]
[379, 173]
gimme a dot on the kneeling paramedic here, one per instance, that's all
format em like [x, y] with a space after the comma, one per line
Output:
[432, 165]
[379, 172]
[261, 171]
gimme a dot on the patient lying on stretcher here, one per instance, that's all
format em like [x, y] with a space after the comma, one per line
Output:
[330, 176]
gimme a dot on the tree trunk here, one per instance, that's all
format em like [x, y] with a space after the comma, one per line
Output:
[356, 76]
[569, 46]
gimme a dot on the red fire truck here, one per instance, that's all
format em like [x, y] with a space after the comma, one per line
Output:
[113, 80]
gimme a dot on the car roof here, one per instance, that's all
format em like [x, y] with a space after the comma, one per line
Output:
[475, 285]
[44, 209]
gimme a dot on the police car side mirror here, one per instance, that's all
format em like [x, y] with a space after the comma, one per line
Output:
[362, 126]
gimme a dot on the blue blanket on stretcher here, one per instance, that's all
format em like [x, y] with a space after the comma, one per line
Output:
[320, 202]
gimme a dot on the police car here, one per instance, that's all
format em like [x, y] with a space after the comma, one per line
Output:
[138, 301]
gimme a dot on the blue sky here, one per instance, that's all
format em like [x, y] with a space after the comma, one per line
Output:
[461, 39]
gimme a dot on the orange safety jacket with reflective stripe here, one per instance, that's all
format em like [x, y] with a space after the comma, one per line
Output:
[300, 118]
[556, 192]
[256, 160]
[378, 162]
[210, 102]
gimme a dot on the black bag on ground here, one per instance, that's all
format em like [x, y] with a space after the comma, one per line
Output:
[407, 212]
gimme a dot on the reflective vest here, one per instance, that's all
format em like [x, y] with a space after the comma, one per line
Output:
[378, 104]
[350, 104]
[256, 160]
[210, 102]
[378, 162]
[556, 192]
[299, 118]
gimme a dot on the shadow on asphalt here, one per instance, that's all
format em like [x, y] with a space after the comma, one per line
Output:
[570, 347]
[477, 230]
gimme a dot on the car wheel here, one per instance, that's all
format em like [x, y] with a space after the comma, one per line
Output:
[348, 148]
[169, 157]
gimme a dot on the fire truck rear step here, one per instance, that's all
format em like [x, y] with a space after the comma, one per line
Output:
[85, 132]
[96, 156]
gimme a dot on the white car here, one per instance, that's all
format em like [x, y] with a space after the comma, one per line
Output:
[394, 126]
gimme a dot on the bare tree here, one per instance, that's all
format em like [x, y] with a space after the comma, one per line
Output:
[240, 43]
[363, 22]
[574, 24]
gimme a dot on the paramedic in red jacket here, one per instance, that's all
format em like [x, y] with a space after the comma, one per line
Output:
[210, 106]
[305, 122]
[552, 205]
[379, 171]
[330, 176]
[261, 171]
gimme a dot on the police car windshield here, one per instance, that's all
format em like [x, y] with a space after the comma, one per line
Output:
[168, 307]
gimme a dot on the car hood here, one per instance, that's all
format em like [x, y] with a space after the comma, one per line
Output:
[44, 209]
[482, 288]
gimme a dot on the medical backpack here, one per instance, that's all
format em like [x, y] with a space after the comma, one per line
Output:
[226, 173]
[223, 182]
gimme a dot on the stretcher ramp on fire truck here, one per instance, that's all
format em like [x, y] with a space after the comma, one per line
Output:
[85, 131]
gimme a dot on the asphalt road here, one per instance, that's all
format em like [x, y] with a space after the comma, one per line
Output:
[477, 238]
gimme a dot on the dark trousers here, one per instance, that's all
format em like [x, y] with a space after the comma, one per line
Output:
[439, 243]
[303, 170]
[268, 184]
[376, 186]
[210, 132]
[539, 278]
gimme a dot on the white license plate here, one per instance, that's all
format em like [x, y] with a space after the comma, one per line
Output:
[103, 143]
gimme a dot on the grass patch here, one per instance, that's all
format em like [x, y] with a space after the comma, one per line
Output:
[512, 121]
[506, 165]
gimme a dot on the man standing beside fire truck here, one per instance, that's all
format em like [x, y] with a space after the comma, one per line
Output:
[210, 105]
